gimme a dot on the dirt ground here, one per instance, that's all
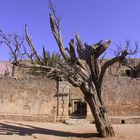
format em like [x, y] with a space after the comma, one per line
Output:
[10, 130]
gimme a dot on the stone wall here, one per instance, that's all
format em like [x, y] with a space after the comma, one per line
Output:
[27, 96]
[121, 94]
[36, 97]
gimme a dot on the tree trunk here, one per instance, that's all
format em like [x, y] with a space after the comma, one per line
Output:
[99, 113]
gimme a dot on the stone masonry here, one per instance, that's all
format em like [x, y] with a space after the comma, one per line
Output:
[62, 99]
[40, 98]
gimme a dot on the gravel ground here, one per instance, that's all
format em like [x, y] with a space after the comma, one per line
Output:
[10, 130]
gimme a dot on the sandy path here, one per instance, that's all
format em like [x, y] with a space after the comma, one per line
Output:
[48, 131]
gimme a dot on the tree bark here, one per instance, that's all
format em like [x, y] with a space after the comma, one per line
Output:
[99, 112]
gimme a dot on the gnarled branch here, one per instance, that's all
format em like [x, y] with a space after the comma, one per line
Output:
[29, 41]
[55, 27]
[111, 62]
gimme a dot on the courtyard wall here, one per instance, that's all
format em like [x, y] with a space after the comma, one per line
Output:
[36, 96]
[27, 96]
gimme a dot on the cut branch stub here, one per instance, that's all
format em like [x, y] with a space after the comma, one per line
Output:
[101, 47]
[80, 47]
[80, 44]
[72, 50]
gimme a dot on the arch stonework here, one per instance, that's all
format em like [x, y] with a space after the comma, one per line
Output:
[66, 102]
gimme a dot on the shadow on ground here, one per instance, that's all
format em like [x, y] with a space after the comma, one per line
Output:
[23, 130]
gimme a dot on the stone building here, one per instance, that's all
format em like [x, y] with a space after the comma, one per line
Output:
[42, 99]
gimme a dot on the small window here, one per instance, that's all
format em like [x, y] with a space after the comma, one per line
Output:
[125, 72]
[128, 72]
[122, 121]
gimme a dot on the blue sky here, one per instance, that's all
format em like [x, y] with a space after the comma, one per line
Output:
[92, 19]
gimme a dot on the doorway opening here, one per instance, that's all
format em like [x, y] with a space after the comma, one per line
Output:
[79, 108]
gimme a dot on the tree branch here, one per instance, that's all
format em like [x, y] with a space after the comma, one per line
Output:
[111, 62]
[72, 51]
[80, 46]
[101, 47]
[29, 41]
[55, 27]
[14, 43]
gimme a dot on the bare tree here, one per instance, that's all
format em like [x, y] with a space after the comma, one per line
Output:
[84, 69]
[28, 57]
